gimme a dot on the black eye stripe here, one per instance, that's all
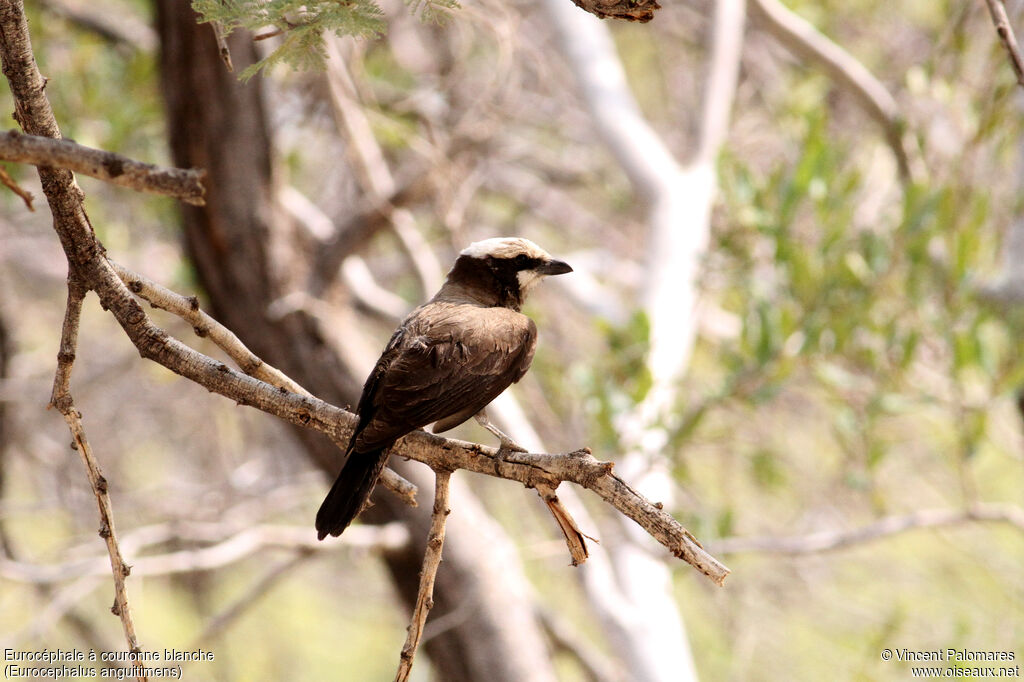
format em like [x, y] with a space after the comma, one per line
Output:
[514, 263]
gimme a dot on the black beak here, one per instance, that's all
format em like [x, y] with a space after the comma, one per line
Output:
[554, 267]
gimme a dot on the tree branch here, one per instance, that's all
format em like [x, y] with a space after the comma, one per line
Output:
[431, 562]
[180, 183]
[228, 547]
[10, 183]
[798, 36]
[61, 399]
[187, 308]
[629, 10]
[596, 667]
[220, 35]
[119, 28]
[1005, 30]
[219, 623]
[827, 541]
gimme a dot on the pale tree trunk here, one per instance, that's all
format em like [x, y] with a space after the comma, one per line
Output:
[236, 241]
[640, 615]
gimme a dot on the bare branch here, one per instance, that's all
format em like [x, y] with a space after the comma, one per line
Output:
[1005, 30]
[431, 562]
[120, 28]
[405, 490]
[575, 540]
[596, 666]
[805, 41]
[184, 184]
[219, 623]
[9, 182]
[61, 399]
[628, 10]
[227, 548]
[581, 468]
[827, 541]
[187, 308]
[220, 35]
[372, 169]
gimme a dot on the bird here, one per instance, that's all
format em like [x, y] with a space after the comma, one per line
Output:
[444, 364]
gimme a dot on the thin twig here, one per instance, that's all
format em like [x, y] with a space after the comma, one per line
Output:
[181, 183]
[187, 308]
[827, 541]
[431, 562]
[250, 597]
[269, 34]
[575, 540]
[62, 400]
[596, 667]
[121, 28]
[226, 548]
[798, 36]
[1005, 30]
[220, 35]
[372, 169]
[9, 182]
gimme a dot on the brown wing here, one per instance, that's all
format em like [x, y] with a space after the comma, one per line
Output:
[446, 359]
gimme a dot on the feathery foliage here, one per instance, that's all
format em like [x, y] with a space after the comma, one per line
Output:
[302, 24]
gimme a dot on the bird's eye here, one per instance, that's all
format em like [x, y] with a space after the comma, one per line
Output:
[521, 260]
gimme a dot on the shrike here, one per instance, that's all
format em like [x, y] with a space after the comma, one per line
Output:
[447, 360]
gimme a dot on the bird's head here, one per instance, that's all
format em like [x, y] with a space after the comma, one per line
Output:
[509, 267]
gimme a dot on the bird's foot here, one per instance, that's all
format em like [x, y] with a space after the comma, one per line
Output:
[507, 447]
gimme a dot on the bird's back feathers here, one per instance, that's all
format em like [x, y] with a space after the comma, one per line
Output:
[448, 358]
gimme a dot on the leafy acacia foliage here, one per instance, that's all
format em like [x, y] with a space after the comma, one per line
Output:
[302, 24]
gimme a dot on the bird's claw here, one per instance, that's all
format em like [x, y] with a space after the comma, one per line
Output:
[507, 448]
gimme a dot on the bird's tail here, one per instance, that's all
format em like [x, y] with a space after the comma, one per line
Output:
[349, 492]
